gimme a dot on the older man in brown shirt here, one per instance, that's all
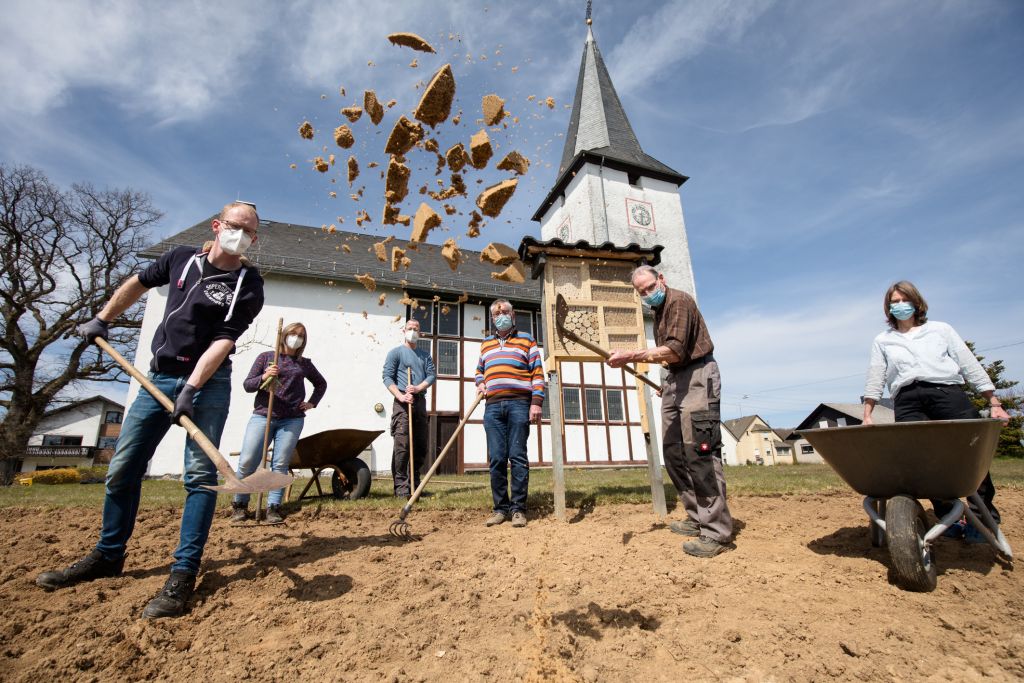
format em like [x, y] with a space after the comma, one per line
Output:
[690, 411]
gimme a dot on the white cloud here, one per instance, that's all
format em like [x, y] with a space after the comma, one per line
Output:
[173, 60]
[677, 31]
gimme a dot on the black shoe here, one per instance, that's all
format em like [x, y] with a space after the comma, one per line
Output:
[274, 515]
[92, 566]
[173, 597]
[239, 513]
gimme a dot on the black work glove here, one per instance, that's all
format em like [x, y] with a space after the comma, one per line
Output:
[183, 404]
[94, 328]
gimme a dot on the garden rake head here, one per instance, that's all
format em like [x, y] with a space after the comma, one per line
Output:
[400, 528]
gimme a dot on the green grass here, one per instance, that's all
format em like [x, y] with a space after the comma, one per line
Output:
[584, 488]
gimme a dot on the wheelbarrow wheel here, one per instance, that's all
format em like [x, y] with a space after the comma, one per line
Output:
[351, 480]
[906, 525]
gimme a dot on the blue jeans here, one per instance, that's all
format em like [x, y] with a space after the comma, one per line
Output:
[141, 432]
[507, 424]
[284, 432]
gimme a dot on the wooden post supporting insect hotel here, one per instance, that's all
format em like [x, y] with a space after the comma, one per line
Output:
[604, 310]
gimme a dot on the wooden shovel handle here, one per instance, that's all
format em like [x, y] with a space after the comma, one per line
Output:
[190, 427]
[572, 336]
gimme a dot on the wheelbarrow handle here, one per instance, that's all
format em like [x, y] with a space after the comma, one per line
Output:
[190, 427]
[440, 456]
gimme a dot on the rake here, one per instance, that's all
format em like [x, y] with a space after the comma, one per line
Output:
[400, 527]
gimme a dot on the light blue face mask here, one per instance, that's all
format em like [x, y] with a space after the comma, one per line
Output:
[655, 298]
[902, 310]
[503, 322]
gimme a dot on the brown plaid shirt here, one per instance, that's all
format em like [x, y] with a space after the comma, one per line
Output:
[679, 325]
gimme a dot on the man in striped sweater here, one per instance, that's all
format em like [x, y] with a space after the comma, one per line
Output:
[511, 375]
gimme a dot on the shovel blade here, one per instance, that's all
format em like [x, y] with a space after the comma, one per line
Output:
[260, 481]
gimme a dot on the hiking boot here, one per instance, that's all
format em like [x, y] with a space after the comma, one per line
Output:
[172, 598]
[92, 566]
[274, 515]
[495, 519]
[687, 527]
[518, 519]
[704, 546]
[239, 513]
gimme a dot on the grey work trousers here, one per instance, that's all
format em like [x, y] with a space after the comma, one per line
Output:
[692, 445]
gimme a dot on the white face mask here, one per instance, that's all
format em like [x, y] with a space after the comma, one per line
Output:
[293, 341]
[412, 336]
[232, 241]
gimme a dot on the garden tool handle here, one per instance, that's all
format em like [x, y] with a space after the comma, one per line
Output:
[439, 458]
[190, 427]
[604, 354]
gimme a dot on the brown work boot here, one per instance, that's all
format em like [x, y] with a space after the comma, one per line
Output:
[705, 546]
[686, 527]
[497, 518]
[518, 519]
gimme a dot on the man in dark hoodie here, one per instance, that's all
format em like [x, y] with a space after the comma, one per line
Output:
[213, 296]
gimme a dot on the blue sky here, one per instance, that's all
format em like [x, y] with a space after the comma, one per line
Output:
[833, 147]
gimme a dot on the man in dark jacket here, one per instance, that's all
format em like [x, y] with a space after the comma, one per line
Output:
[690, 411]
[213, 296]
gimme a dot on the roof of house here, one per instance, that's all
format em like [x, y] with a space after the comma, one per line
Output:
[81, 402]
[599, 130]
[880, 415]
[785, 432]
[304, 251]
[740, 425]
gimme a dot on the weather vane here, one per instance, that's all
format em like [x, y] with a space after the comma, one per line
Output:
[589, 3]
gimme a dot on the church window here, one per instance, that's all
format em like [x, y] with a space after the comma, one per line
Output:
[595, 406]
[571, 408]
[447, 357]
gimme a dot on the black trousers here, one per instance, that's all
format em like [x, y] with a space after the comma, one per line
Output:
[919, 401]
[400, 454]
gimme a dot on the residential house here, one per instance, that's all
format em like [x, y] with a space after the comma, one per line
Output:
[79, 434]
[756, 443]
[828, 415]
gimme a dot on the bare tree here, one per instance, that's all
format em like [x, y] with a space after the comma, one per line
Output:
[62, 256]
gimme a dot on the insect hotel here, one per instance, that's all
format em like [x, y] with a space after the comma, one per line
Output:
[591, 309]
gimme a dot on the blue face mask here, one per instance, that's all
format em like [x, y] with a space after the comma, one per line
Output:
[503, 322]
[655, 298]
[902, 310]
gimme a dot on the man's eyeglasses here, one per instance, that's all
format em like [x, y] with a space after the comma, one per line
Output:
[648, 289]
[237, 226]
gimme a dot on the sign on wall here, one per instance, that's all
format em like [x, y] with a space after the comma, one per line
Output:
[640, 215]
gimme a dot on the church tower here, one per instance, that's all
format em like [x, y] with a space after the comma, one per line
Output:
[608, 189]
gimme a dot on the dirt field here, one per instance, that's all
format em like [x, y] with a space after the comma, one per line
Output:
[608, 597]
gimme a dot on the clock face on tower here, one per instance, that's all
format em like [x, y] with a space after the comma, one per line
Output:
[640, 215]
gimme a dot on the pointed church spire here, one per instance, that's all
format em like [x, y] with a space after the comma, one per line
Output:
[598, 123]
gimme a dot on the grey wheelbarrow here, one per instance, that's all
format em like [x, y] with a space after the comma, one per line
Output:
[894, 465]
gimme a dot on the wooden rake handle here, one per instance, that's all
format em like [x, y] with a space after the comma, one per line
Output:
[190, 427]
[440, 457]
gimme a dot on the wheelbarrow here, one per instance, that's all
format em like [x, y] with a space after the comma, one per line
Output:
[894, 465]
[336, 449]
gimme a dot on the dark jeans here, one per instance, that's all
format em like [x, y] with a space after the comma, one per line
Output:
[919, 401]
[400, 454]
[507, 424]
[144, 426]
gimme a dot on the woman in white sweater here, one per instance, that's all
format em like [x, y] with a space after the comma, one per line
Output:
[925, 365]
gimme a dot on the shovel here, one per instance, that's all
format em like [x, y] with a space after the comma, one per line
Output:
[400, 527]
[564, 333]
[262, 480]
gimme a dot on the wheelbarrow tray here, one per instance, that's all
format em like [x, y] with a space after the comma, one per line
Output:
[940, 459]
[331, 447]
